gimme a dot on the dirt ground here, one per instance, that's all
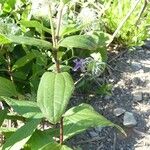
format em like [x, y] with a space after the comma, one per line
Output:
[129, 73]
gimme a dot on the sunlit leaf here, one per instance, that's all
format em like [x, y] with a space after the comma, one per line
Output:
[6, 39]
[53, 95]
[21, 136]
[35, 24]
[79, 41]
[82, 117]
[25, 108]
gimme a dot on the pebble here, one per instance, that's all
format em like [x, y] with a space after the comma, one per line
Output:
[129, 119]
[136, 66]
[119, 111]
[136, 81]
[137, 96]
[93, 133]
[98, 129]
[147, 44]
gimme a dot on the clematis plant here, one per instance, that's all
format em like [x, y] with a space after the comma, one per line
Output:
[53, 95]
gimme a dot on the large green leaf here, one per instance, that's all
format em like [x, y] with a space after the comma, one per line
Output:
[35, 24]
[82, 117]
[23, 60]
[3, 114]
[25, 40]
[55, 146]
[24, 108]
[79, 41]
[7, 88]
[21, 136]
[53, 94]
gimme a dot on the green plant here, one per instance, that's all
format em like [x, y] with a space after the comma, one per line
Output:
[53, 95]
[128, 21]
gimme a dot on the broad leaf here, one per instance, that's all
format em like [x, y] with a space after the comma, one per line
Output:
[82, 117]
[3, 114]
[23, 60]
[53, 94]
[55, 146]
[7, 88]
[24, 108]
[69, 29]
[21, 136]
[27, 41]
[79, 41]
[35, 24]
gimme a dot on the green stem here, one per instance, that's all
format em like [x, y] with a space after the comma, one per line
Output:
[59, 21]
[52, 27]
[55, 38]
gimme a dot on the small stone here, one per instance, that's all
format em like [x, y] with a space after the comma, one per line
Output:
[119, 111]
[147, 44]
[98, 129]
[107, 97]
[136, 66]
[93, 134]
[137, 96]
[129, 119]
[136, 81]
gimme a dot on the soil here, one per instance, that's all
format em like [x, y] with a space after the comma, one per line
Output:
[129, 73]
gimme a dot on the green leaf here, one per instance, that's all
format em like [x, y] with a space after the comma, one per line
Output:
[42, 138]
[25, 108]
[35, 24]
[82, 117]
[7, 88]
[70, 29]
[53, 94]
[55, 146]
[3, 114]
[23, 61]
[79, 41]
[4, 40]
[21, 136]
[27, 41]
[9, 5]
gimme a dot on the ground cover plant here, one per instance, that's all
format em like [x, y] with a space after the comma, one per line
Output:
[39, 53]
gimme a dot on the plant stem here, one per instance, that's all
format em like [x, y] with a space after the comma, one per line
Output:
[59, 21]
[61, 138]
[55, 38]
[123, 22]
[52, 26]
[142, 11]
[9, 66]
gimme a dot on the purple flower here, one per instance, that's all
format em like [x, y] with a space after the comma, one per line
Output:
[79, 64]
